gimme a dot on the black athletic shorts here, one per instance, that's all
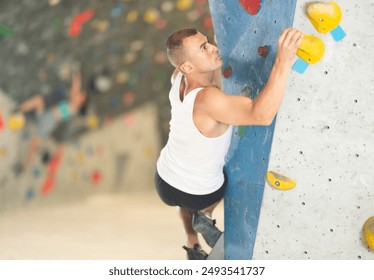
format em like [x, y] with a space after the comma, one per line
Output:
[174, 197]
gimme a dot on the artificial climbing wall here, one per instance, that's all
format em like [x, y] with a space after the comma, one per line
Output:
[112, 145]
[323, 140]
[247, 39]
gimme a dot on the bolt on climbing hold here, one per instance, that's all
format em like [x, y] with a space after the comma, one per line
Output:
[279, 181]
[326, 17]
[310, 51]
[17, 122]
[227, 72]
[369, 232]
[2, 122]
[263, 51]
[78, 21]
[251, 6]
[6, 31]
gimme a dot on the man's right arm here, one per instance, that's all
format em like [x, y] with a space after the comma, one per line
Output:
[241, 110]
[269, 100]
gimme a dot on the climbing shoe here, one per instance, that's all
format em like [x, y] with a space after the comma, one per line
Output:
[195, 253]
[207, 227]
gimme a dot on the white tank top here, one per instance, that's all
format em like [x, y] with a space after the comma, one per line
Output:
[190, 161]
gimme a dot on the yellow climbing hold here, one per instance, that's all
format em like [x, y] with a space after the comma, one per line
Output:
[279, 181]
[311, 49]
[80, 157]
[132, 16]
[92, 121]
[151, 15]
[122, 77]
[324, 16]
[369, 232]
[183, 5]
[100, 25]
[17, 121]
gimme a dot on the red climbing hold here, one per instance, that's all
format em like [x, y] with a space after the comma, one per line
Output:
[263, 51]
[227, 72]
[2, 122]
[251, 6]
[77, 22]
[48, 184]
[95, 177]
[207, 22]
[54, 164]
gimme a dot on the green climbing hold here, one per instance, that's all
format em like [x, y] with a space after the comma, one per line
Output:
[5, 31]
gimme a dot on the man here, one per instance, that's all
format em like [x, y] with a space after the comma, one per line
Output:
[190, 167]
[47, 119]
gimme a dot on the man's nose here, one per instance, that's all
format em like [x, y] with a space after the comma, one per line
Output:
[213, 48]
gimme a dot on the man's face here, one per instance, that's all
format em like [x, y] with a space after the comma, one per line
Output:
[201, 54]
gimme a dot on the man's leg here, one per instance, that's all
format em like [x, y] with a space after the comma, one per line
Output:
[193, 248]
[209, 210]
[192, 237]
[34, 103]
[202, 222]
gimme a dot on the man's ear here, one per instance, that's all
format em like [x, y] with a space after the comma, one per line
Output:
[186, 67]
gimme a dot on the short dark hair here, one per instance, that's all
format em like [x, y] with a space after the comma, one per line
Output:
[174, 45]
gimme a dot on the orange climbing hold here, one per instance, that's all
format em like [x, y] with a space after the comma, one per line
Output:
[251, 6]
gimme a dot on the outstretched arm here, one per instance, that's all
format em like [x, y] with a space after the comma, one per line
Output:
[268, 102]
[77, 95]
[241, 110]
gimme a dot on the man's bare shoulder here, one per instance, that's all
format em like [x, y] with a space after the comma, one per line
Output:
[209, 97]
[211, 92]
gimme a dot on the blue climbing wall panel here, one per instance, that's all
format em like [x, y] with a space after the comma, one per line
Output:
[239, 35]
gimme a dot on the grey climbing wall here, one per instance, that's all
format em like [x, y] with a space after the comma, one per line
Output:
[324, 140]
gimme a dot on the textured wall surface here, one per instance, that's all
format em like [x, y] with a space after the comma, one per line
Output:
[239, 36]
[120, 47]
[118, 158]
[324, 140]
